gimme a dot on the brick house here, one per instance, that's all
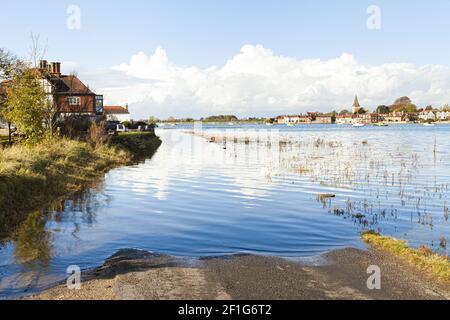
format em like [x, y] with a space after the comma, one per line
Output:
[71, 95]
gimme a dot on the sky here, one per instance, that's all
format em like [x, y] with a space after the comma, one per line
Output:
[194, 58]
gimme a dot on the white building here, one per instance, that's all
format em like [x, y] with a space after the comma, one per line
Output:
[117, 113]
[427, 115]
[443, 115]
[294, 119]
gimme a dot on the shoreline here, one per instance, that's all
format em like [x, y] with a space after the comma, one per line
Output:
[42, 175]
[140, 275]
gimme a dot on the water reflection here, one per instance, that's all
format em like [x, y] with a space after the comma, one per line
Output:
[33, 241]
[250, 194]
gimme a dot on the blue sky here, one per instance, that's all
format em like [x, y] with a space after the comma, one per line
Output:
[207, 32]
[204, 33]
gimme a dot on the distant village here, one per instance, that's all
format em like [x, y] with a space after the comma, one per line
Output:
[402, 111]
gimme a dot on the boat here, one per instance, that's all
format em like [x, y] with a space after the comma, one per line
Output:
[429, 124]
[269, 124]
[359, 125]
[290, 124]
[381, 124]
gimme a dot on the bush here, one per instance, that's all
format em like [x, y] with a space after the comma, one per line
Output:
[97, 135]
[75, 126]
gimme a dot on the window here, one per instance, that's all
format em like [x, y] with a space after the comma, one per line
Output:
[99, 104]
[74, 101]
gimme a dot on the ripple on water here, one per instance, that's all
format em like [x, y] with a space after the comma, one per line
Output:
[196, 199]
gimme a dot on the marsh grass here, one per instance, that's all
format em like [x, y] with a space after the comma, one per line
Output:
[34, 176]
[424, 258]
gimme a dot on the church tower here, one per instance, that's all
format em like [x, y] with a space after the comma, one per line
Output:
[356, 106]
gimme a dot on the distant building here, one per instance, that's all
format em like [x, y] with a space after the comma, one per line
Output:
[117, 113]
[369, 118]
[346, 118]
[427, 115]
[399, 116]
[323, 119]
[294, 119]
[443, 115]
[356, 108]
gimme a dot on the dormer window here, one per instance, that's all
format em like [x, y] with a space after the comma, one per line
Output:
[74, 101]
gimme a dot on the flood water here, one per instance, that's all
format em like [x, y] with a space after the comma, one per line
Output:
[257, 193]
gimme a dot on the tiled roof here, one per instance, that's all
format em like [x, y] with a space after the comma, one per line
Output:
[115, 110]
[69, 85]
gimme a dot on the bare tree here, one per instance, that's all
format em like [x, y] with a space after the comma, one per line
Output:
[37, 50]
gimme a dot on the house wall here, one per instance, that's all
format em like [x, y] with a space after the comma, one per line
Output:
[118, 117]
[87, 104]
[324, 120]
[346, 119]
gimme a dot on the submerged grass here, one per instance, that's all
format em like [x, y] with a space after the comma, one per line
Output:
[34, 176]
[423, 258]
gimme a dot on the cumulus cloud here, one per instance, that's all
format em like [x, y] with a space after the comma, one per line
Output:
[256, 81]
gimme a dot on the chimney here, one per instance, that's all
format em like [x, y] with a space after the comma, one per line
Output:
[55, 68]
[43, 64]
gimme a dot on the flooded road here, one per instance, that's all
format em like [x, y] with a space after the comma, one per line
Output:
[265, 191]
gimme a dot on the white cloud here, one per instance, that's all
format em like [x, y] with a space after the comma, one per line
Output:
[258, 82]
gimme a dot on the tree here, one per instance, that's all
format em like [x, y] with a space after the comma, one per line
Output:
[403, 104]
[402, 101]
[383, 109]
[344, 112]
[362, 111]
[333, 113]
[429, 108]
[153, 120]
[8, 63]
[26, 104]
[9, 66]
[37, 50]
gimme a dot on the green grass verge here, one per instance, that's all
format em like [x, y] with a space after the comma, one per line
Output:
[423, 258]
[35, 177]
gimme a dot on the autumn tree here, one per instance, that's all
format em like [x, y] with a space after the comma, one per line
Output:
[403, 104]
[26, 104]
[10, 65]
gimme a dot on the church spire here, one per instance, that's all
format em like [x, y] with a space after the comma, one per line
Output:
[356, 103]
[356, 106]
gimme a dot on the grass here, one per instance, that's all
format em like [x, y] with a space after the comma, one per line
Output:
[140, 144]
[4, 140]
[34, 177]
[423, 258]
